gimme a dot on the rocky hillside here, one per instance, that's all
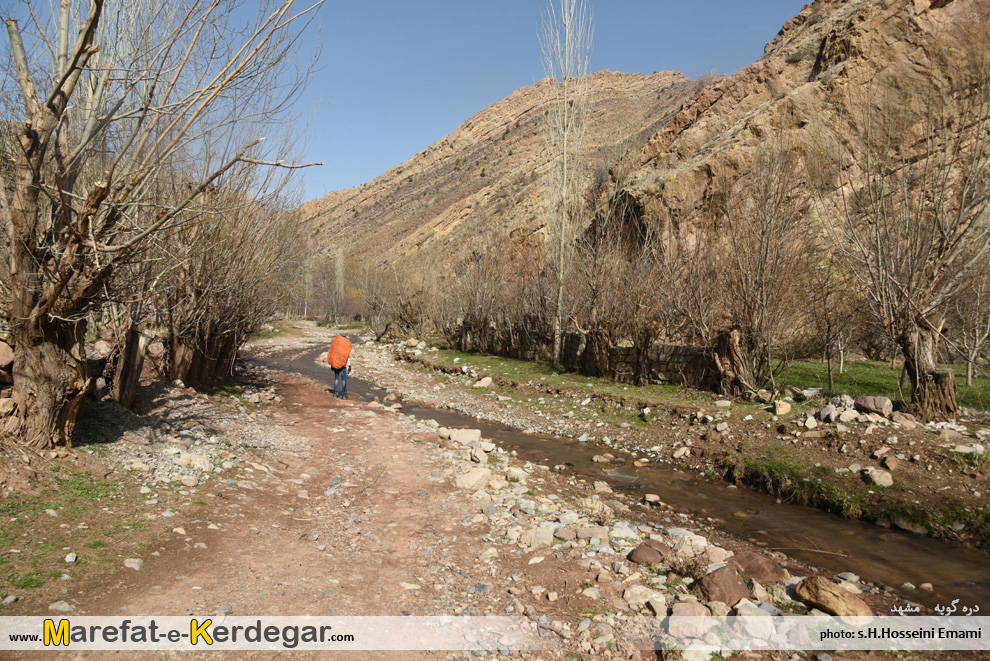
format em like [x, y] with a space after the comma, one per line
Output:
[814, 81]
[686, 139]
[487, 172]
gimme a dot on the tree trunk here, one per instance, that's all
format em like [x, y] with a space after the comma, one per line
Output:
[733, 370]
[558, 324]
[49, 379]
[129, 365]
[933, 393]
[969, 369]
[831, 379]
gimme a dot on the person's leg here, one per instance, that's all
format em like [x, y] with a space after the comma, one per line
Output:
[336, 382]
[343, 379]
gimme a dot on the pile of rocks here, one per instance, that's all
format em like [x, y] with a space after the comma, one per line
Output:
[652, 567]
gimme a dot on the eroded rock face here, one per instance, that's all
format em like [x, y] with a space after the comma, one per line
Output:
[825, 595]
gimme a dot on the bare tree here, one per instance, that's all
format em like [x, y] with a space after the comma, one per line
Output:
[763, 222]
[115, 97]
[827, 293]
[917, 222]
[566, 40]
[970, 316]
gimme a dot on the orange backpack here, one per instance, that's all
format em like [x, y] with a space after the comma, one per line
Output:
[340, 351]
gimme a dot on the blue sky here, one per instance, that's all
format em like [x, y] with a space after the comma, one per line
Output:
[397, 76]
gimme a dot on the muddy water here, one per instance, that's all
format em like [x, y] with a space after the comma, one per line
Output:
[820, 539]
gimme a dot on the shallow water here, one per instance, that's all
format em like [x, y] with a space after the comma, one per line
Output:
[824, 540]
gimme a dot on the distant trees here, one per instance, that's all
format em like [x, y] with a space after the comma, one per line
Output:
[115, 99]
[566, 40]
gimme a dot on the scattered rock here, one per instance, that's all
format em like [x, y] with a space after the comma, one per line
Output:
[757, 567]
[474, 479]
[483, 383]
[905, 420]
[724, 585]
[637, 596]
[879, 405]
[134, 563]
[72, 557]
[781, 407]
[464, 436]
[879, 477]
[61, 607]
[645, 554]
[825, 595]
[828, 414]
[539, 537]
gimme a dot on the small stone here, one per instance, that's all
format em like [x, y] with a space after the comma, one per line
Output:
[72, 557]
[226, 609]
[927, 587]
[723, 403]
[61, 607]
[179, 531]
[780, 407]
[134, 563]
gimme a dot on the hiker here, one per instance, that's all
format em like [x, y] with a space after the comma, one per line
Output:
[339, 358]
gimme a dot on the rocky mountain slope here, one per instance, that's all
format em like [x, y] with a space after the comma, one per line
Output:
[487, 172]
[687, 140]
[813, 83]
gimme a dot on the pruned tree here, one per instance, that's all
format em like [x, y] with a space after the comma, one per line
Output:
[762, 219]
[917, 221]
[116, 96]
[566, 40]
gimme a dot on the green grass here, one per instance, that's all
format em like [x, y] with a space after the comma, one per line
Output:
[96, 544]
[872, 378]
[540, 372]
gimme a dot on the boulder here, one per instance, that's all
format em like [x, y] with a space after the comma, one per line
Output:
[879, 405]
[644, 554]
[757, 567]
[536, 538]
[905, 420]
[464, 436]
[478, 455]
[724, 585]
[686, 620]
[879, 478]
[829, 413]
[690, 546]
[780, 407]
[6, 356]
[825, 595]
[483, 383]
[659, 547]
[474, 479]
[638, 595]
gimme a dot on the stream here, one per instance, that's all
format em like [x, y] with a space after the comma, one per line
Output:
[876, 554]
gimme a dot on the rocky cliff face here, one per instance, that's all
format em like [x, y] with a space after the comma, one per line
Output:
[487, 173]
[687, 140]
[817, 77]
